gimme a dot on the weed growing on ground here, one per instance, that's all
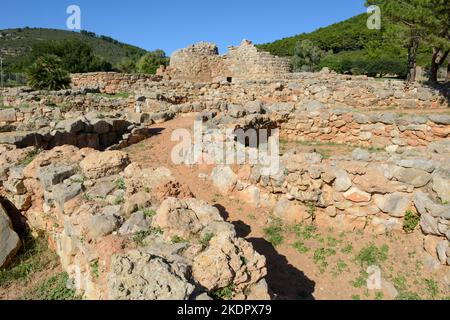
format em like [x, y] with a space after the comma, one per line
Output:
[274, 232]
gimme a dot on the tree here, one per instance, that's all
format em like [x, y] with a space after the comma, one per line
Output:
[151, 61]
[426, 21]
[127, 66]
[76, 56]
[406, 13]
[436, 19]
[47, 73]
[307, 56]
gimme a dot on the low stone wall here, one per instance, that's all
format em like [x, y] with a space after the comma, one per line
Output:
[366, 191]
[111, 82]
[315, 122]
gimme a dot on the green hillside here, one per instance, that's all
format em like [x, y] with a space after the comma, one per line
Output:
[16, 43]
[351, 40]
[348, 35]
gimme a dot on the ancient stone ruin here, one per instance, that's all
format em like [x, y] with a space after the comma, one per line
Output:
[202, 63]
[126, 227]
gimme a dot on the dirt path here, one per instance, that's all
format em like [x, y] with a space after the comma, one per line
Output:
[292, 274]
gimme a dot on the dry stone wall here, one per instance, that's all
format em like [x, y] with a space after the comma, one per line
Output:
[111, 82]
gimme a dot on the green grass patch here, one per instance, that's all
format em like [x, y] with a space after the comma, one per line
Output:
[372, 255]
[305, 231]
[274, 232]
[34, 256]
[432, 288]
[53, 288]
[30, 157]
[320, 257]
[300, 247]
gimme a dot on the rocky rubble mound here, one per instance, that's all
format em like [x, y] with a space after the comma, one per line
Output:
[120, 237]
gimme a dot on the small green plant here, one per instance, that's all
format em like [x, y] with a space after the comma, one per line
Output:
[379, 295]
[206, 239]
[140, 236]
[311, 210]
[400, 283]
[54, 288]
[333, 242]
[95, 273]
[341, 266]
[30, 156]
[347, 249]
[119, 200]
[149, 213]
[432, 288]
[408, 296]
[410, 221]
[120, 183]
[305, 231]
[320, 257]
[356, 297]
[178, 239]
[274, 232]
[224, 293]
[361, 280]
[300, 247]
[371, 255]
[251, 216]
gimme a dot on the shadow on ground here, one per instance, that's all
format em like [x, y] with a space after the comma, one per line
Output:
[284, 280]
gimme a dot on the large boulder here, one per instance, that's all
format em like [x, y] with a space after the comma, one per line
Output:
[9, 240]
[101, 164]
[184, 218]
[395, 204]
[139, 275]
[228, 261]
[441, 184]
[224, 179]
[416, 177]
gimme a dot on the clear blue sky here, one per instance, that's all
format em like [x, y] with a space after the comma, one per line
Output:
[174, 24]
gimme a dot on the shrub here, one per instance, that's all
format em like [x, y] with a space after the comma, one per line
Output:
[410, 221]
[307, 56]
[47, 73]
[76, 56]
[224, 293]
[151, 61]
[371, 255]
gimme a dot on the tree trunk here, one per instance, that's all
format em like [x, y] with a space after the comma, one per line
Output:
[447, 78]
[437, 60]
[412, 56]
